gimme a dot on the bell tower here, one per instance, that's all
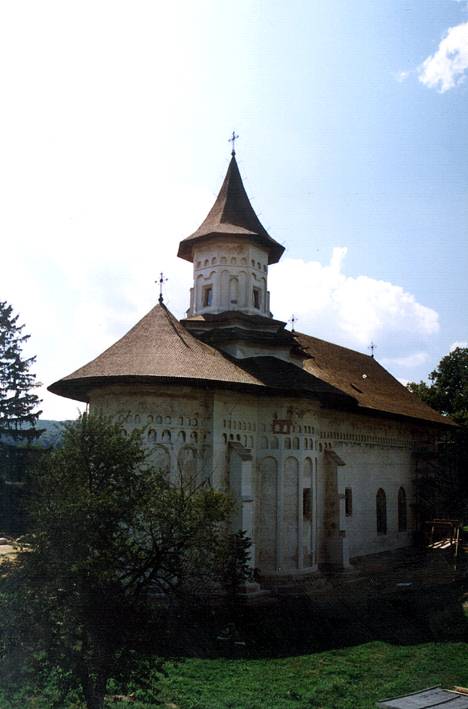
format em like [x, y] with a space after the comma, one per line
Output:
[231, 252]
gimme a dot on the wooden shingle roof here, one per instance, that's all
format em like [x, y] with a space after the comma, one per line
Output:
[363, 378]
[157, 348]
[160, 349]
[232, 215]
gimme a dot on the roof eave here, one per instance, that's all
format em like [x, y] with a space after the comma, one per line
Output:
[275, 250]
[79, 389]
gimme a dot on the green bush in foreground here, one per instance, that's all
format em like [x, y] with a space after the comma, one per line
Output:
[107, 533]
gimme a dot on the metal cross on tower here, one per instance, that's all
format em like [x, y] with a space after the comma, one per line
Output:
[372, 347]
[293, 320]
[161, 282]
[232, 140]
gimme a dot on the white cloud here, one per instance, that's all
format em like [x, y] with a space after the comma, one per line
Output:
[354, 309]
[446, 68]
[402, 75]
[461, 343]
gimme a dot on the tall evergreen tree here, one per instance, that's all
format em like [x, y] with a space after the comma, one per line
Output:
[18, 403]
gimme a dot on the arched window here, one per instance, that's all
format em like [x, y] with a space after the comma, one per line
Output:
[381, 509]
[207, 296]
[402, 513]
[233, 290]
[152, 436]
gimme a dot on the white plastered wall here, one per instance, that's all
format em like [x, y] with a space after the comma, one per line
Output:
[232, 269]
[191, 429]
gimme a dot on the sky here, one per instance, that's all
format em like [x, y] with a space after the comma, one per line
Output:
[353, 144]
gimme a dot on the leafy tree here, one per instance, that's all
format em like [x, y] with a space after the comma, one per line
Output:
[110, 536]
[18, 403]
[444, 488]
[235, 563]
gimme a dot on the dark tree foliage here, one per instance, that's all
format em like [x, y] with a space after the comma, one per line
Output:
[235, 563]
[443, 486]
[18, 403]
[113, 543]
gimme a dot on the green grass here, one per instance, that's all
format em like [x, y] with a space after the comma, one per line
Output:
[383, 648]
[351, 678]
[348, 678]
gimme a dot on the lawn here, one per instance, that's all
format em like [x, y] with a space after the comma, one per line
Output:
[351, 678]
[347, 678]
[300, 653]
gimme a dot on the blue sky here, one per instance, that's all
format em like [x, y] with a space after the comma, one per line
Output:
[353, 130]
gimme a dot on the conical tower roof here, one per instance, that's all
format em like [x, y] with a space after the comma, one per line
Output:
[158, 348]
[232, 215]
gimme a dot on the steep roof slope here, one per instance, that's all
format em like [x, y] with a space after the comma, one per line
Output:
[362, 377]
[157, 347]
[232, 215]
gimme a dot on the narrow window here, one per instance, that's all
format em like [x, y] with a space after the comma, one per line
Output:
[381, 509]
[306, 503]
[234, 290]
[256, 298]
[402, 513]
[348, 502]
[207, 296]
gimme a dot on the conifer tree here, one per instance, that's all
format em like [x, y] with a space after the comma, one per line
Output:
[18, 403]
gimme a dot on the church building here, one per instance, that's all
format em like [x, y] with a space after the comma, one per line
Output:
[314, 441]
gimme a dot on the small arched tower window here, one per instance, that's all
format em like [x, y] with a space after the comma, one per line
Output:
[256, 298]
[207, 295]
[381, 510]
[234, 290]
[402, 512]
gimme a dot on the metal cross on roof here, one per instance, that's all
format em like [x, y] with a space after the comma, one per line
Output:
[232, 140]
[293, 320]
[372, 347]
[161, 282]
